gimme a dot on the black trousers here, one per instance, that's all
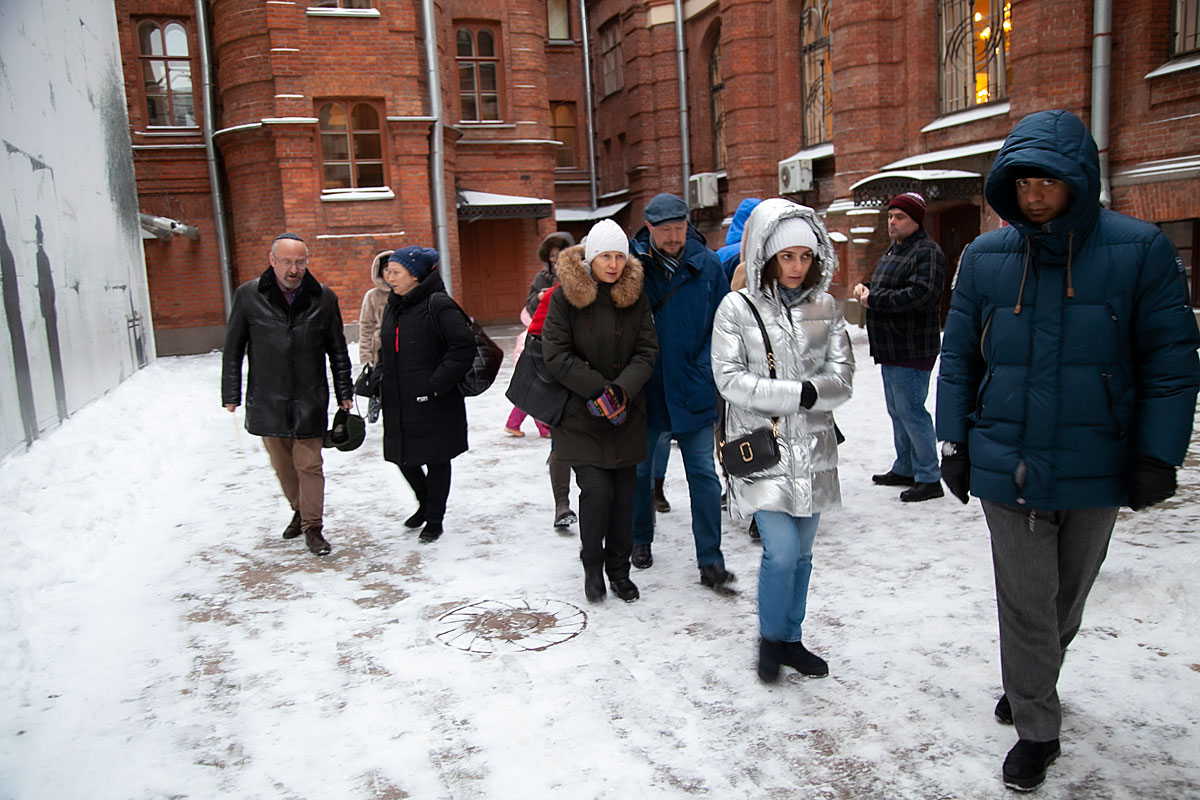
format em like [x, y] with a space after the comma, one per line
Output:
[431, 489]
[606, 518]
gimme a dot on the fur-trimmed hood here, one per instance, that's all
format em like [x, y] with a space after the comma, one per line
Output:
[579, 287]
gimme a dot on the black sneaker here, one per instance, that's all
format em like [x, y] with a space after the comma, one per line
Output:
[1003, 711]
[431, 532]
[798, 657]
[641, 556]
[922, 491]
[1025, 766]
[565, 519]
[293, 528]
[417, 519]
[716, 577]
[890, 478]
[593, 585]
[625, 589]
[316, 542]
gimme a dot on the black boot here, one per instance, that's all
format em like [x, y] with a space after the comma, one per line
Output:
[293, 528]
[417, 519]
[316, 542]
[922, 491]
[660, 500]
[1003, 711]
[641, 557]
[797, 656]
[770, 656]
[717, 578]
[625, 589]
[593, 584]
[431, 532]
[1025, 766]
[754, 534]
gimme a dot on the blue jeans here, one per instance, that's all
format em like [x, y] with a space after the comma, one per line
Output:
[704, 489]
[662, 454]
[783, 576]
[905, 390]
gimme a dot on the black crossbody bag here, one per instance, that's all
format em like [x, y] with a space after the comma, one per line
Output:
[758, 449]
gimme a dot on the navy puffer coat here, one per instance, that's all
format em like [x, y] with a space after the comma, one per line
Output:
[1070, 347]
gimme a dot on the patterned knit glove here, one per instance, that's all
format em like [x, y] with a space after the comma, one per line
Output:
[609, 404]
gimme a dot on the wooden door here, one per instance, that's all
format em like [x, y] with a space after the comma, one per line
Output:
[493, 278]
[957, 228]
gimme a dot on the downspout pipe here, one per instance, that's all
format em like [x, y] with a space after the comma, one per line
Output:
[210, 154]
[1101, 90]
[437, 147]
[681, 58]
[591, 121]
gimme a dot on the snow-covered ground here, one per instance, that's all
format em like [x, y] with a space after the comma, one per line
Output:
[159, 640]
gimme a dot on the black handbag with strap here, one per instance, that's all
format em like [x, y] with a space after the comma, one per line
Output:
[759, 449]
[485, 366]
[532, 389]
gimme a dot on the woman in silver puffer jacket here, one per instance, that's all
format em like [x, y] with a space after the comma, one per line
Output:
[789, 263]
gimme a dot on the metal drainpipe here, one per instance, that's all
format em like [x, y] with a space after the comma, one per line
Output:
[591, 122]
[437, 161]
[680, 54]
[210, 153]
[1101, 73]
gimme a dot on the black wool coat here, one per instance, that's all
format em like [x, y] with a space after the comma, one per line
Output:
[595, 335]
[426, 346]
[287, 394]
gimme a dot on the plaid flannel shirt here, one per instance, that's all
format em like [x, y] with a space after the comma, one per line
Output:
[903, 308]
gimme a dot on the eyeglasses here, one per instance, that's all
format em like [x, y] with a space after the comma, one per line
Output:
[302, 263]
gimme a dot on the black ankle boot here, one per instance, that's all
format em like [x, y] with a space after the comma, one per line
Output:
[593, 584]
[1025, 766]
[797, 656]
[625, 589]
[417, 519]
[660, 500]
[293, 528]
[770, 656]
[431, 532]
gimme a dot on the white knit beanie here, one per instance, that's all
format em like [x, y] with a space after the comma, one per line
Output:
[604, 236]
[790, 232]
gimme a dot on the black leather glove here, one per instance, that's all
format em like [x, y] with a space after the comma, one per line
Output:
[956, 472]
[1150, 481]
[808, 395]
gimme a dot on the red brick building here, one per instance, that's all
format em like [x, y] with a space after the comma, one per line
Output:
[323, 124]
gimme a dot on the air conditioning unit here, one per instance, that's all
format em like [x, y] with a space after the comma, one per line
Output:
[795, 175]
[702, 190]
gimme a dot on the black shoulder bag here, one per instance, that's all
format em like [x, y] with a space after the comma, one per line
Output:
[759, 449]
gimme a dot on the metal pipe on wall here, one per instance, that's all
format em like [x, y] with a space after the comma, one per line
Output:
[1101, 90]
[681, 57]
[437, 159]
[591, 122]
[210, 154]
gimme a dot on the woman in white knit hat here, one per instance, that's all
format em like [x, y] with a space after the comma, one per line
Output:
[785, 310]
[599, 339]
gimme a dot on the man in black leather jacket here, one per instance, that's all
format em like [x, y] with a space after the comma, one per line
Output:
[289, 323]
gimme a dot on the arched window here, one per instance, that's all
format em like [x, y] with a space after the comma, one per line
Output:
[716, 94]
[166, 73]
[973, 52]
[562, 128]
[558, 20]
[1186, 28]
[351, 145]
[816, 72]
[478, 74]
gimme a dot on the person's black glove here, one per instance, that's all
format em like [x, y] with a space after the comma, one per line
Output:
[808, 395]
[1150, 481]
[956, 472]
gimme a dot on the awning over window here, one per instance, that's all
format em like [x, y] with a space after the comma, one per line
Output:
[932, 184]
[486, 205]
[965, 151]
[588, 214]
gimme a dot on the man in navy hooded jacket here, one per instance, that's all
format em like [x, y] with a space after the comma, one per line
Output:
[685, 284]
[1067, 388]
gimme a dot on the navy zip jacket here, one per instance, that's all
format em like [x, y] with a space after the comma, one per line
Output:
[1070, 348]
[681, 394]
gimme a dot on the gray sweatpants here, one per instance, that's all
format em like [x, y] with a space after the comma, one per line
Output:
[1045, 564]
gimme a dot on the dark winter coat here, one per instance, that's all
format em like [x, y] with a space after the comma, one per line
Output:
[287, 393]
[681, 395]
[426, 346]
[904, 306]
[544, 278]
[596, 335]
[1070, 347]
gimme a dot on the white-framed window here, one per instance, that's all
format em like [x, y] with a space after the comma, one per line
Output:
[1185, 27]
[166, 71]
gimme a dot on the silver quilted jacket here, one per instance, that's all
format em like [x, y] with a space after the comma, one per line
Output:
[810, 344]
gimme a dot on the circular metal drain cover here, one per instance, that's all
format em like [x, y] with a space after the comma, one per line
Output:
[497, 626]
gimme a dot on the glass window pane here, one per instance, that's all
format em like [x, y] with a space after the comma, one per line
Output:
[332, 117]
[368, 145]
[151, 39]
[487, 44]
[466, 47]
[184, 110]
[365, 117]
[466, 77]
[487, 77]
[565, 157]
[335, 147]
[177, 43]
[370, 174]
[356, 3]
[181, 76]
[154, 73]
[337, 176]
[156, 110]
[469, 111]
[490, 105]
[558, 24]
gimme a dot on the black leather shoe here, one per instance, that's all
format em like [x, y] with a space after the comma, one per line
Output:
[641, 556]
[661, 504]
[593, 584]
[316, 542]
[770, 655]
[431, 532]
[565, 519]
[798, 657]
[922, 491]
[293, 528]
[625, 589]
[1003, 711]
[417, 519]
[890, 478]
[1025, 766]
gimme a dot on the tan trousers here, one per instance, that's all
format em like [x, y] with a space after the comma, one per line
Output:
[297, 464]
